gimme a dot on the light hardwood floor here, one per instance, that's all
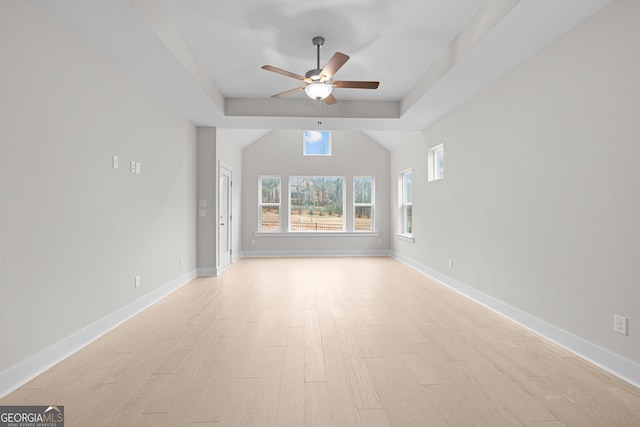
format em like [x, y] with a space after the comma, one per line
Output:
[326, 342]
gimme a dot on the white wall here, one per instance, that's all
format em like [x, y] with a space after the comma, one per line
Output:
[207, 224]
[539, 207]
[280, 153]
[74, 231]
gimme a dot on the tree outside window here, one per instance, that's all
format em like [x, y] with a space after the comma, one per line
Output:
[363, 195]
[269, 203]
[316, 203]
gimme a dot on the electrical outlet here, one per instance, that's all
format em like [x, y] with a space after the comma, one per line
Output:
[115, 162]
[450, 263]
[136, 281]
[253, 242]
[181, 261]
[620, 324]
[133, 166]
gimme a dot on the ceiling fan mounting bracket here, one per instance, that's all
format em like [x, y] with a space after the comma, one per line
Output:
[318, 41]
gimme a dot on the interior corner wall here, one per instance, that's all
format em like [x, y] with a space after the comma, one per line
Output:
[280, 152]
[539, 205]
[74, 230]
[207, 202]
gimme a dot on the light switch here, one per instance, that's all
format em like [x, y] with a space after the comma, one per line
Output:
[138, 168]
[115, 162]
[202, 212]
[133, 166]
[202, 203]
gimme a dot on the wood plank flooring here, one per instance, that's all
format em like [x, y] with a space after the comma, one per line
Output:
[306, 342]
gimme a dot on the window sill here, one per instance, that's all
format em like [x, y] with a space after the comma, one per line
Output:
[406, 237]
[317, 234]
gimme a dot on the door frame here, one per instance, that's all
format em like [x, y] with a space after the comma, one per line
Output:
[223, 167]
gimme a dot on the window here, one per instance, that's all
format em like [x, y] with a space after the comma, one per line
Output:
[317, 143]
[316, 203]
[435, 167]
[406, 206]
[269, 203]
[363, 195]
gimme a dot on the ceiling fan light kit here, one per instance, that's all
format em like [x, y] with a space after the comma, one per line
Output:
[319, 81]
[318, 90]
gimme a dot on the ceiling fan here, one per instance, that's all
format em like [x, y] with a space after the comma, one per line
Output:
[319, 81]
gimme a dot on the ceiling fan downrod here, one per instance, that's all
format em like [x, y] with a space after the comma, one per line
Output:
[317, 42]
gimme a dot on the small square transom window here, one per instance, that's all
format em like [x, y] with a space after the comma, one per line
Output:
[317, 143]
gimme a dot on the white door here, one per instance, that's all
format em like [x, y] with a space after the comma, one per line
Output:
[224, 220]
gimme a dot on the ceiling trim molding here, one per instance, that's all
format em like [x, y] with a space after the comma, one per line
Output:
[310, 108]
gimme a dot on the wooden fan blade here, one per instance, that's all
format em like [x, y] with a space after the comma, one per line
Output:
[289, 92]
[355, 84]
[337, 60]
[283, 72]
[330, 100]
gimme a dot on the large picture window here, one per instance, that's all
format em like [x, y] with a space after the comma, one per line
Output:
[316, 203]
[269, 203]
[406, 205]
[363, 200]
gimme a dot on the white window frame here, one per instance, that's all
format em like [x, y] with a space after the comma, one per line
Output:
[435, 159]
[290, 222]
[261, 204]
[370, 205]
[406, 226]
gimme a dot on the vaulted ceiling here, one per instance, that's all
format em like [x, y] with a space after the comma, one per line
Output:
[203, 57]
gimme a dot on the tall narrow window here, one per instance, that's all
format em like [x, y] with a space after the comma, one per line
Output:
[406, 207]
[363, 200]
[435, 168]
[269, 203]
[316, 203]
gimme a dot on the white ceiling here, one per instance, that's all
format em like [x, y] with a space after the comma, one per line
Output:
[203, 57]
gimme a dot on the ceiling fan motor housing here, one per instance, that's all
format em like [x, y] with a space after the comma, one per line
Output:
[313, 74]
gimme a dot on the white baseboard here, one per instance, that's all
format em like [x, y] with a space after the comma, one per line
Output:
[314, 253]
[212, 271]
[28, 369]
[620, 367]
